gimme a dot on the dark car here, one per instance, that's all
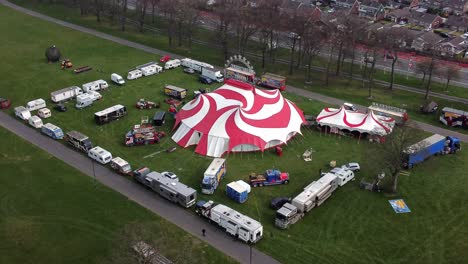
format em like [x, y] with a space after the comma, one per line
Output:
[60, 108]
[278, 202]
[205, 80]
[189, 70]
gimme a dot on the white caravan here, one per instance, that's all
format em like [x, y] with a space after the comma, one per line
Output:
[44, 113]
[195, 65]
[36, 104]
[35, 121]
[65, 94]
[22, 113]
[151, 69]
[100, 155]
[95, 86]
[135, 74]
[172, 64]
[117, 79]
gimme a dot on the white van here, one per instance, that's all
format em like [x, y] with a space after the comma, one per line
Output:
[22, 113]
[35, 121]
[135, 74]
[36, 104]
[100, 155]
[44, 113]
[117, 79]
[95, 86]
[172, 64]
[83, 100]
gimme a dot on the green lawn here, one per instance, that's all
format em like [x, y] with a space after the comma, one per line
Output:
[52, 213]
[354, 226]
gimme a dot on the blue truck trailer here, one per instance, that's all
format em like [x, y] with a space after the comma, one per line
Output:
[433, 145]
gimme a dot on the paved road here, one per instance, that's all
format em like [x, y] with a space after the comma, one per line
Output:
[143, 196]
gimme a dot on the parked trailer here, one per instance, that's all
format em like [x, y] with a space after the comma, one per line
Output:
[121, 166]
[52, 131]
[270, 80]
[22, 113]
[100, 155]
[135, 74]
[65, 94]
[79, 141]
[174, 91]
[213, 175]
[95, 86]
[238, 74]
[233, 222]
[151, 70]
[400, 115]
[112, 113]
[172, 64]
[36, 104]
[215, 76]
[173, 191]
[433, 145]
[195, 65]
[35, 121]
[454, 118]
[313, 195]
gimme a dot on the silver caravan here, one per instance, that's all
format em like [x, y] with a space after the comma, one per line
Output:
[174, 191]
[65, 94]
[195, 65]
[95, 86]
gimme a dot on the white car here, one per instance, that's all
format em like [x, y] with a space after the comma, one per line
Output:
[170, 175]
[354, 166]
[465, 35]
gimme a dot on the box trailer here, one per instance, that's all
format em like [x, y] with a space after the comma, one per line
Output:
[100, 155]
[233, 222]
[239, 74]
[433, 145]
[65, 94]
[216, 76]
[173, 191]
[174, 91]
[35, 121]
[95, 86]
[400, 115]
[109, 114]
[79, 141]
[195, 65]
[36, 104]
[270, 80]
[454, 117]
[135, 74]
[213, 175]
[52, 131]
[22, 113]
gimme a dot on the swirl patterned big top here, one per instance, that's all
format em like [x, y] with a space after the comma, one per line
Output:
[237, 117]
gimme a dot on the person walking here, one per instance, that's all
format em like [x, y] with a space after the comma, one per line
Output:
[203, 231]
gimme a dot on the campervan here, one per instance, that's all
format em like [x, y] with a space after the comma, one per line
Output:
[35, 121]
[135, 74]
[83, 101]
[100, 155]
[172, 64]
[36, 104]
[22, 113]
[44, 113]
[117, 79]
[95, 86]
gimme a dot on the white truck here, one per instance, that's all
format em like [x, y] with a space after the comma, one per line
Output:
[172, 64]
[195, 65]
[313, 195]
[216, 76]
[100, 155]
[234, 223]
[87, 99]
[22, 113]
[65, 94]
[117, 79]
[95, 86]
[36, 104]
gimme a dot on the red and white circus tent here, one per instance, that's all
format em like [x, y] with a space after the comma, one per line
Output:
[237, 117]
[343, 119]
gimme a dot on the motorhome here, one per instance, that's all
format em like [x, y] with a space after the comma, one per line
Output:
[65, 94]
[84, 100]
[44, 113]
[35, 121]
[100, 155]
[52, 131]
[135, 74]
[22, 113]
[112, 113]
[117, 79]
[172, 64]
[95, 86]
[195, 65]
[36, 104]
[79, 141]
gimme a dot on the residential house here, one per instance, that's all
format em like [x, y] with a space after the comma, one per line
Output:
[455, 47]
[415, 17]
[372, 10]
[457, 23]
[426, 41]
[343, 4]
[455, 7]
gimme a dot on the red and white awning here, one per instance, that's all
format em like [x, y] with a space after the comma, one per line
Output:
[356, 121]
[237, 117]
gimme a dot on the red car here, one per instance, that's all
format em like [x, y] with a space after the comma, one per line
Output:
[165, 58]
[4, 103]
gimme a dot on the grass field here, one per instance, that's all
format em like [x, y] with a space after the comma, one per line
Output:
[52, 213]
[354, 226]
[339, 86]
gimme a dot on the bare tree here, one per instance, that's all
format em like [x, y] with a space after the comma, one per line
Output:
[432, 67]
[313, 40]
[422, 67]
[123, 15]
[268, 14]
[84, 7]
[391, 40]
[141, 7]
[170, 10]
[450, 72]
[154, 4]
[245, 24]
[98, 6]
[225, 9]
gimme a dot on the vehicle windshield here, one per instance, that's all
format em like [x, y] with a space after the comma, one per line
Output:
[206, 186]
[87, 143]
[280, 216]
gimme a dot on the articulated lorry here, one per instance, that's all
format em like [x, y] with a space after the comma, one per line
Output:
[233, 222]
[213, 175]
[433, 145]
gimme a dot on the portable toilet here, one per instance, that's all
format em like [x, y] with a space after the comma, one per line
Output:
[237, 192]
